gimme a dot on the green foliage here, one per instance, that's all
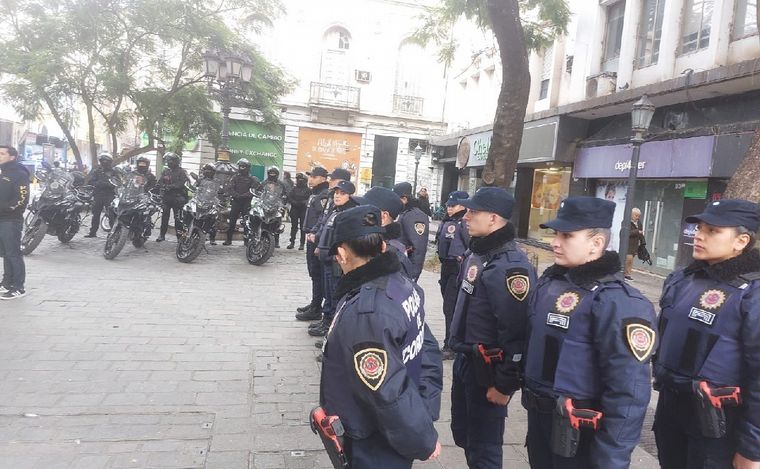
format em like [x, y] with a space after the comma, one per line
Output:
[137, 61]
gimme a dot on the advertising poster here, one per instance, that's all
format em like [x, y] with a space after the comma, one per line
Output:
[616, 192]
[329, 149]
[261, 146]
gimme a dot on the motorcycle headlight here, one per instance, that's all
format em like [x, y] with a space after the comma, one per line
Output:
[191, 206]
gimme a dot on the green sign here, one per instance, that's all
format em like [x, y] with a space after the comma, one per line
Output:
[191, 144]
[263, 147]
[695, 190]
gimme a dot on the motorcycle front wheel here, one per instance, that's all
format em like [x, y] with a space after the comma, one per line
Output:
[190, 245]
[115, 241]
[33, 235]
[105, 223]
[260, 250]
[66, 235]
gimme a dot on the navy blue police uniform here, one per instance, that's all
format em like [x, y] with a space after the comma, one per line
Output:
[590, 339]
[381, 370]
[490, 311]
[415, 229]
[388, 201]
[452, 241]
[710, 329]
[315, 207]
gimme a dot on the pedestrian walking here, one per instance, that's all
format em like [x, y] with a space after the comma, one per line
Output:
[708, 363]
[415, 228]
[172, 183]
[590, 339]
[14, 197]
[298, 197]
[239, 189]
[103, 190]
[488, 328]
[382, 372]
[317, 181]
[635, 239]
[452, 241]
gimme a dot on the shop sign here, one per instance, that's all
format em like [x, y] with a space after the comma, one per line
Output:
[330, 149]
[480, 143]
[695, 190]
[687, 157]
[260, 145]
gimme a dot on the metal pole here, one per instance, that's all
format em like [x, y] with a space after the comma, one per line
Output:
[625, 229]
[416, 166]
[226, 108]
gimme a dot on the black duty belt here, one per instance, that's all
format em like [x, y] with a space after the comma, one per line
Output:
[534, 401]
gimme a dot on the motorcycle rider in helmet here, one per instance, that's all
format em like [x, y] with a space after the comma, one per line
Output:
[104, 192]
[172, 184]
[272, 184]
[239, 190]
[207, 174]
[143, 169]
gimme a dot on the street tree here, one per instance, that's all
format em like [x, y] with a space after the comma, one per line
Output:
[119, 61]
[744, 183]
[518, 26]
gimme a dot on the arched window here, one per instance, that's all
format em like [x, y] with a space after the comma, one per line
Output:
[411, 66]
[335, 66]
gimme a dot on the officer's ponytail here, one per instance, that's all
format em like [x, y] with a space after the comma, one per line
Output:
[369, 245]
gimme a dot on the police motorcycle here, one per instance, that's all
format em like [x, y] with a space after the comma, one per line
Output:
[57, 209]
[109, 212]
[133, 213]
[263, 221]
[198, 218]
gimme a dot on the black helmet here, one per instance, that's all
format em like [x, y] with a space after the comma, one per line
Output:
[144, 162]
[243, 163]
[208, 170]
[273, 170]
[301, 176]
[105, 157]
[171, 159]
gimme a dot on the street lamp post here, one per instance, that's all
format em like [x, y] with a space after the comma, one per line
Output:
[641, 116]
[417, 157]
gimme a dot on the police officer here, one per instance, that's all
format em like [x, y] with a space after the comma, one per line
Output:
[172, 184]
[390, 206]
[590, 338]
[331, 273]
[298, 198]
[273, 185]
[104, 191]
[452, 240]
[143, 169]
[208, 173]
[316, 206]
[490, 314]
[415, 228]
[710, 344]
[382, 371]
[239, 190]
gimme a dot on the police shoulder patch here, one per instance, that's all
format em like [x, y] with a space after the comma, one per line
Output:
[371, 366]
[640, 339]
[419, 228]
[518, 286]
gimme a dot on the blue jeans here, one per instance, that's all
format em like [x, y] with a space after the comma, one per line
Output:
[14, 272]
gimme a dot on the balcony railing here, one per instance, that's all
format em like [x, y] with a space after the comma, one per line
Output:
[328, 94]
[411, 105]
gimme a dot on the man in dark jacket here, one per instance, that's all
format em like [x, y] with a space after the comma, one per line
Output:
[298, 198]
[14, 197]
[172, 183]
[239, 190]
[104, 192]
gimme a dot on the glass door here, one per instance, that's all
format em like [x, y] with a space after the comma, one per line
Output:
[661, 205]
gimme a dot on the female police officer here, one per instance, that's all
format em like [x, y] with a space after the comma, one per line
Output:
[381, 370]
[710, 345]
[590, 337]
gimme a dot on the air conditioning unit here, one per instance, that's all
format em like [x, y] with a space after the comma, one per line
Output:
[362, 76]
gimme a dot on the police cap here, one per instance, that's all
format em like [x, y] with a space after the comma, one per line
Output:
[403, 189]
[340, 173]
[730, 212]
[346, 187]
[384, 199]
[491, 199]
[456, 197]
[317, 171]
[580, 213]
[353, 223]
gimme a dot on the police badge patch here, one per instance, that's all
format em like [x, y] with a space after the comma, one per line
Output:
[640, 339]
[712, 299]
[450, 228]
[567, 302]
[371, 365]
[518, 286]
[419, 228]
[472, 273]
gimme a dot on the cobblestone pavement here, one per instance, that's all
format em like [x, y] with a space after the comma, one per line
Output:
[144, 362]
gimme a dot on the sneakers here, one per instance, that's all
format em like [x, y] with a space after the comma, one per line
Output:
[3, 289]
[290, 246]
[13, 294]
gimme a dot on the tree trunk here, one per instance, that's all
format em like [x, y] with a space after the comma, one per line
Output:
[513, 97]
[744, 183]
[64, 128]
[91, 134]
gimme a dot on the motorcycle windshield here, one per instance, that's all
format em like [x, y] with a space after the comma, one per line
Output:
[271, 197]
[57, 184]
[132, 188]
[207, 192]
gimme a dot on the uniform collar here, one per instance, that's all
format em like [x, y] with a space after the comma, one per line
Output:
[498, 238]
[392, 231]
[379, 266]
[319, 187]
[456, 216]
[608, 264]
[744, 263]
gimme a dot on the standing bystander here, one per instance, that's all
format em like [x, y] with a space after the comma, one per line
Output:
[14, 197]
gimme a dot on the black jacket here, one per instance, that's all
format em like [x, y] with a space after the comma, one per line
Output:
[100, 180]
[299, 195]
[172, 183]
[14, 191]
[239, 187]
